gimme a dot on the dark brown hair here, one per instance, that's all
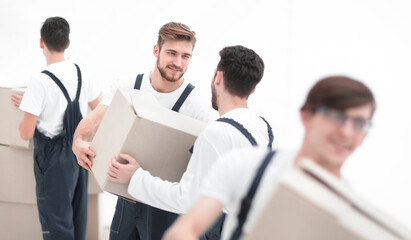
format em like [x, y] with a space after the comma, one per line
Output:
[338, 92]
[55, 33]
[175, 31]
[243, 69]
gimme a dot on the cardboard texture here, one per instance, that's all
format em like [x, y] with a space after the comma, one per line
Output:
[10, 119]
[312, 204]
[93, 187]
[19, 221]
[159, 138]
[17, 182]
[94, 225]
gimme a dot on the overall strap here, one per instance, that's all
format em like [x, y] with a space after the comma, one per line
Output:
[248, 199]
[61, 86]
[183, 97]
[139, 79]
[270, 133]
[240, 128]
[79, 83]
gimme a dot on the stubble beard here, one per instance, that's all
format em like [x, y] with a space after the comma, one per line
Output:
[164, 74]
[214, 98]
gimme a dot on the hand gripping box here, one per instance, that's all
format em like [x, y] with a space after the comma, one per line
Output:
[158, 138]
[10, 119]
[309, 203]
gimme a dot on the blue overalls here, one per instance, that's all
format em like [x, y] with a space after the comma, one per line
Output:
[136, 220]
[214, 232]
[61, 184]
[247, 200]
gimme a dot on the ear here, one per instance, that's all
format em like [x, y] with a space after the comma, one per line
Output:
[305, 116]
[219, 78]
[156, 51]
[68, 44]
[252, 91]
[41, 43]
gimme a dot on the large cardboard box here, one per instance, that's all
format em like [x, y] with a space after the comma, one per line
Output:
[19, 221]
[94, 224]
[10, 119]
[17, 182]
[312, 204]
[136, 124]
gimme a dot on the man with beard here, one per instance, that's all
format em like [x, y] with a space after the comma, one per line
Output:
[239, 71]
[336, 117]
[173, 52]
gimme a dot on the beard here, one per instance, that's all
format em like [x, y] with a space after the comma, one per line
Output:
[172, 78]
[213, 97]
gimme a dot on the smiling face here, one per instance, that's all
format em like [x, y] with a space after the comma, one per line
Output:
[328, 140]
[173, 59]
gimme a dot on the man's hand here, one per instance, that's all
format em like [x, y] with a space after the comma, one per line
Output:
[82, 151]
[16, 99]
[122, 173]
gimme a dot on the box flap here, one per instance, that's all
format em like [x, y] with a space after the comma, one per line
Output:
[146, 106]
[310, 203]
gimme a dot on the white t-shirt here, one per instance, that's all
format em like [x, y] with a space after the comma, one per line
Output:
[193, 106]
[215, 140]
[230, 179]
[44, 99]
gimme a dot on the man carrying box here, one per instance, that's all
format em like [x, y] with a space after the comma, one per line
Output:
[336, 117]
[239, 71]
[54, 103]
[173, 52]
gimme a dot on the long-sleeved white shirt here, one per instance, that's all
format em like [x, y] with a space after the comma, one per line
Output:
[230, 179]
[215, 140]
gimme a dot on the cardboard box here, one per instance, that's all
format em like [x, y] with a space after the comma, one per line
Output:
[10, 119]
[17, 182]
[93, 187]
[94, 224]
[19, 221]
[312, 204]
[159, 138]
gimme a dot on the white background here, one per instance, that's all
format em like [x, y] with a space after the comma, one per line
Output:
[300, 42]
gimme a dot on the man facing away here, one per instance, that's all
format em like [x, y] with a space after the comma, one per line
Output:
[336, 117]
[173, 52]
[238, 72]
[53, 105]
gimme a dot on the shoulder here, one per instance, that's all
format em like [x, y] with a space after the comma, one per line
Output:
[39, 80]
[239, 157]
[124, 81]
[198, 106]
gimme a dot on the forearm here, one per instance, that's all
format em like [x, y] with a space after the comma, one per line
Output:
[27, 126]
[84, 134]
[200, 217]
[182, 229]
[88, 126]
[169, 196]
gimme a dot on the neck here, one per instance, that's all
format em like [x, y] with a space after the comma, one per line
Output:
[306, 152]
[54, 57]
[162, 85]
[230, 102]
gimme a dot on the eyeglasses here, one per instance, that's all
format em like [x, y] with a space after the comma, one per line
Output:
[339, 117]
